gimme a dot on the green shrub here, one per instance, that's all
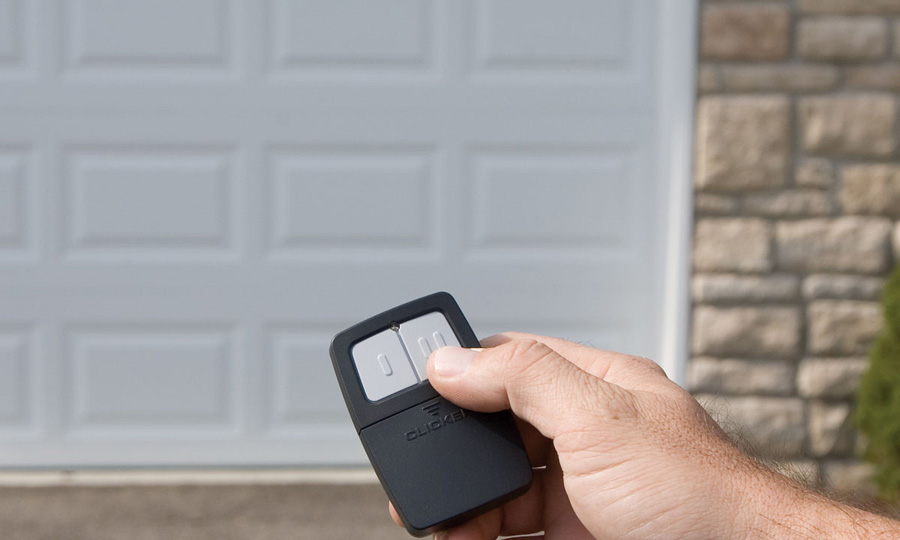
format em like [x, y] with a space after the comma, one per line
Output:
[878, 398]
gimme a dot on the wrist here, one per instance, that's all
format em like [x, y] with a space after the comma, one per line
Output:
[781, 509]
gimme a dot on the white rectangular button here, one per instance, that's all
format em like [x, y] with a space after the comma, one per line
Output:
[424, 335]
[382, 365]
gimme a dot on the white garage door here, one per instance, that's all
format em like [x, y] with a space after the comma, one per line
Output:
[195, 195]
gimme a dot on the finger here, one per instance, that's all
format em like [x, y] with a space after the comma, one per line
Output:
[484, 527]
[540, 386]
[394, 515]
[628, 371]
[525, 514]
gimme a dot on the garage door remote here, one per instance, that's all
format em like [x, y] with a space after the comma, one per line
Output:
[439, 464]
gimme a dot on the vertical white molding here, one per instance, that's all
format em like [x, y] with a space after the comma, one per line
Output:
[677, 57]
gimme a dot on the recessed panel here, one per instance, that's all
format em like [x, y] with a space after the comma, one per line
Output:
[351, 34]
[350, 201]
[15, 379]
[305, 393]
[13, 203]
[526, 200]
[146, 379]
[10, 30]
[534, 34]
[132, 33]
[162, 202]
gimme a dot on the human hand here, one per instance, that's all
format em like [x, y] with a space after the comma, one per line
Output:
[626, 453]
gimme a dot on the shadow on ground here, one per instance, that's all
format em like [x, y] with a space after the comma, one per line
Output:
[320, 512]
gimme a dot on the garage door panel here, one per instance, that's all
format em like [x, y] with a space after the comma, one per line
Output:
[152, 203]
[127, 39]
[350, 201]
[313, 38]
[557, 43]
[17, 381]
[305, 396]
[522, 200]
[159, 380]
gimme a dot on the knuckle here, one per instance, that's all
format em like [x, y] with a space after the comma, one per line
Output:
[524, 354]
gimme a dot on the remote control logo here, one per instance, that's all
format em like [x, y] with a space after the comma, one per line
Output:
[434, 409]
[436, 424]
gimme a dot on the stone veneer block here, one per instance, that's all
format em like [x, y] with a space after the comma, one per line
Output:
[850, 6]
[831, 430]
[896, 242]
[871, 189]
[733, 244]
[846, 476]
[778, 77]
[788, 203]
[842, 38]
[842, 327]
[874, 77]
[746, 332]
[842, 287]
[846, 244]
[708, 78]
[731, 288]
[770, 426]
[743, 143]
[830, 378]
[816, 173]
[861, 125]
[745, 32]
[710, 375]
[713, 204]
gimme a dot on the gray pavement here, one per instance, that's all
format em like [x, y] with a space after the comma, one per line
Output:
[260, 512]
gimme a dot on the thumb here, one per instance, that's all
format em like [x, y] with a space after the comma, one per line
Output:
[540, 386]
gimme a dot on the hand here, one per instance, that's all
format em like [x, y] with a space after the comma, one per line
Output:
[620, 451]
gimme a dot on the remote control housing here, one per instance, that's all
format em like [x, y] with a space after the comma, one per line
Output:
[439, 464]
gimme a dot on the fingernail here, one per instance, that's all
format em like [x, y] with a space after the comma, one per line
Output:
[453, 361]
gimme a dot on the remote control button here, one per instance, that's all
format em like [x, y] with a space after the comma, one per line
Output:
[424, 335]
[382, 365]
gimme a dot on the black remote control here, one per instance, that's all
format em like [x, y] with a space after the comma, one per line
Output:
[440, 465]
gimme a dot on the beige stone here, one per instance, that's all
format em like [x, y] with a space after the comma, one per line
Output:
[860, 125]
[842, 327]
[881, 77]
[871, 189]
[847, 244]
[715, 205]
[732, 288]
[842, 38]
[743, 143]
[830, 378]
[831, 429]
[849, 6]
[746, 332]
[744, 32]
[788, 203]
[739, 377]
[768, 426]
[733, 244]
[842, 287]
[896, 242]
[815, 173]
[849, 476]
[708, 78]
[897, 38]
[784, 77]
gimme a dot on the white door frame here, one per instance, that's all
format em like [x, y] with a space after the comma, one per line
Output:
[677, 57]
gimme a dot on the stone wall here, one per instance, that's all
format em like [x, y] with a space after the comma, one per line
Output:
[797, 203]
